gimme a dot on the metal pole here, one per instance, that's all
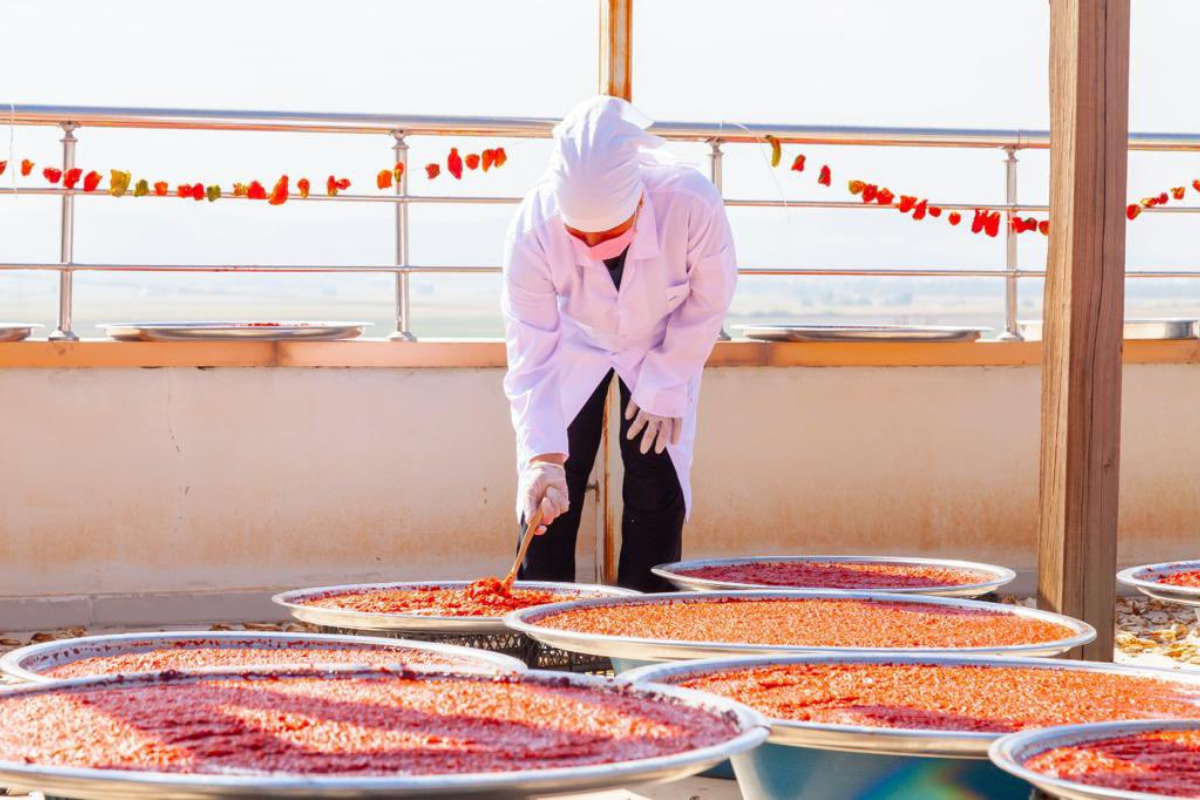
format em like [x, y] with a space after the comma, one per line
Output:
[717, 175]
[1011, 259]
[66, 242]
[403, 332]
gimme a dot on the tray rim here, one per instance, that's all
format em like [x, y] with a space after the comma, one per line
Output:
[1003, 575]
[753, 730]
[646, 649]
[247, 329]
[1008, 753]
[828, 332]
[893, 741]
[13, 663]
[1184, 595]
[370, 620]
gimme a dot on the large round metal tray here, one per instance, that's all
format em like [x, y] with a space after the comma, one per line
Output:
[888, 741]
[860, 333]
[1145, 580]
[31, 662]
[1133, 329]
[416, 623]
[674, 573]
[213, 331]
[1011, 752]
[102, 784]
[649, 650]
[16, 331]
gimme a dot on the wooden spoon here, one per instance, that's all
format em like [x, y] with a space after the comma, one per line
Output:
[535, 522]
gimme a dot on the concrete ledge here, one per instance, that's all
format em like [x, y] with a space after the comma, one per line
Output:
[489, 353]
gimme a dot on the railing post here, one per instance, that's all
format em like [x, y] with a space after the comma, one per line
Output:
[717, 175]
[66, 242]
[1011, 259]
[403, 332]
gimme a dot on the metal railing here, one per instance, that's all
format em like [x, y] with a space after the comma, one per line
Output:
[71, 119]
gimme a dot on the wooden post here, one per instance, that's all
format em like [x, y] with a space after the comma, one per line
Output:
[616, 48]
[1084, 309]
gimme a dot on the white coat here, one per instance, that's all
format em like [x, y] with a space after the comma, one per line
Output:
[567, 325]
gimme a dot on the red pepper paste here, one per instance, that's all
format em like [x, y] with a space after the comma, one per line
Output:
[437, 601]
[376, 725]
[1160, 763]
[1189, 578]
[982, 699]
[867, 575]
[188, 654]
[808, 623]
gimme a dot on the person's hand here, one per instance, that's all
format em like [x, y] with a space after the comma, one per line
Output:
[659, 430]
[543, 484]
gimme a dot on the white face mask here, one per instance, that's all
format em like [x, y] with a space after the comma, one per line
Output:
[609, 248]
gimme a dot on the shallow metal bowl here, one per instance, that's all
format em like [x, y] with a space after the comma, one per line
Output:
[674, 572]
[417, 623]
[223, 331]
[628, 649]
[16, 331]
[860, 333]
[889, 741]
[1133, 329]
[1145, 580]
[112, 784]
[1011, 752]
[32, 662]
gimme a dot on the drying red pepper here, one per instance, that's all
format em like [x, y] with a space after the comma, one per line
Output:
[488, 157]
[1162, 199]
[279, 194]
[256, 191]
[398, 171]
[978, 222]
[501, 157]
[826, 177]
[870, 192]
[304, 187]
[384, 179]
[885, 197]
[907, 203]
[183, 190]
[161, 188]
[240, 189]
[920, 209]
[433, 170]
[3, 166]
[798, 164]
[472, 161]
[334, 185]
[1132, 210]
[72, 177]
[51, 174]
[856, 187]
[454, 164]
[991, 224]
[1177, 192]
[1044, 227]
[198, 192]
[1196, 184]
[935, 211]
[91, 181]
[27, 167]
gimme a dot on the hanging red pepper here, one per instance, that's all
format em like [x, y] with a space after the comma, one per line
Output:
[1132, 210]
[1177, 192]
[501, 157]
[303, 186]
[920, 209]
[91, 181]
[826, 177]
[3, 166]
[183, 190]
[398, 171]
[72, 177]
[454, 164]
[279, 194]
[954, 217]
[870, 192]
[979, 221]
[142, 188]
[161, 188]
[198, 192]
[935, 211]
[1162, 199]
[856, 187]
[433, 170]
[776, 150]
[885, 197]
[907, 203]
[1044, 227]
[334, 185]
[487, 158]
[472, 161]
[991, 225]
[798, 164]
[256, 191]
[51, 174]
[1019, 225]
[1196, 184]
[27, 167]
[240, 189]
[213, 193]
[384, 179]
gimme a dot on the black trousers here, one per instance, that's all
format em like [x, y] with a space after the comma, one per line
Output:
[652, 523]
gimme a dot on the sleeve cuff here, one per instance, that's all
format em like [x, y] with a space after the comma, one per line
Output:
[663, 402]
[537, 444]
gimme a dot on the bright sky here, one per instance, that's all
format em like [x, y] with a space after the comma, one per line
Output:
[868, 62]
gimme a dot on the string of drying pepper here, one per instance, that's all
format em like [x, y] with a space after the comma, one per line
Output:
[121, 182]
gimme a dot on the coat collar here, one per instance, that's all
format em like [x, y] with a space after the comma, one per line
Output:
[645, 238]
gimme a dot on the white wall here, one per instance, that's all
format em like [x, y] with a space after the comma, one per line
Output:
[132, 481]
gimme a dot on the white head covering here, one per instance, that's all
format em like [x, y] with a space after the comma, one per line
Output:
[595, 169]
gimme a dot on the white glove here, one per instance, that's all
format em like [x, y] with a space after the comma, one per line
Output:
[659, 430]
[544, 484]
